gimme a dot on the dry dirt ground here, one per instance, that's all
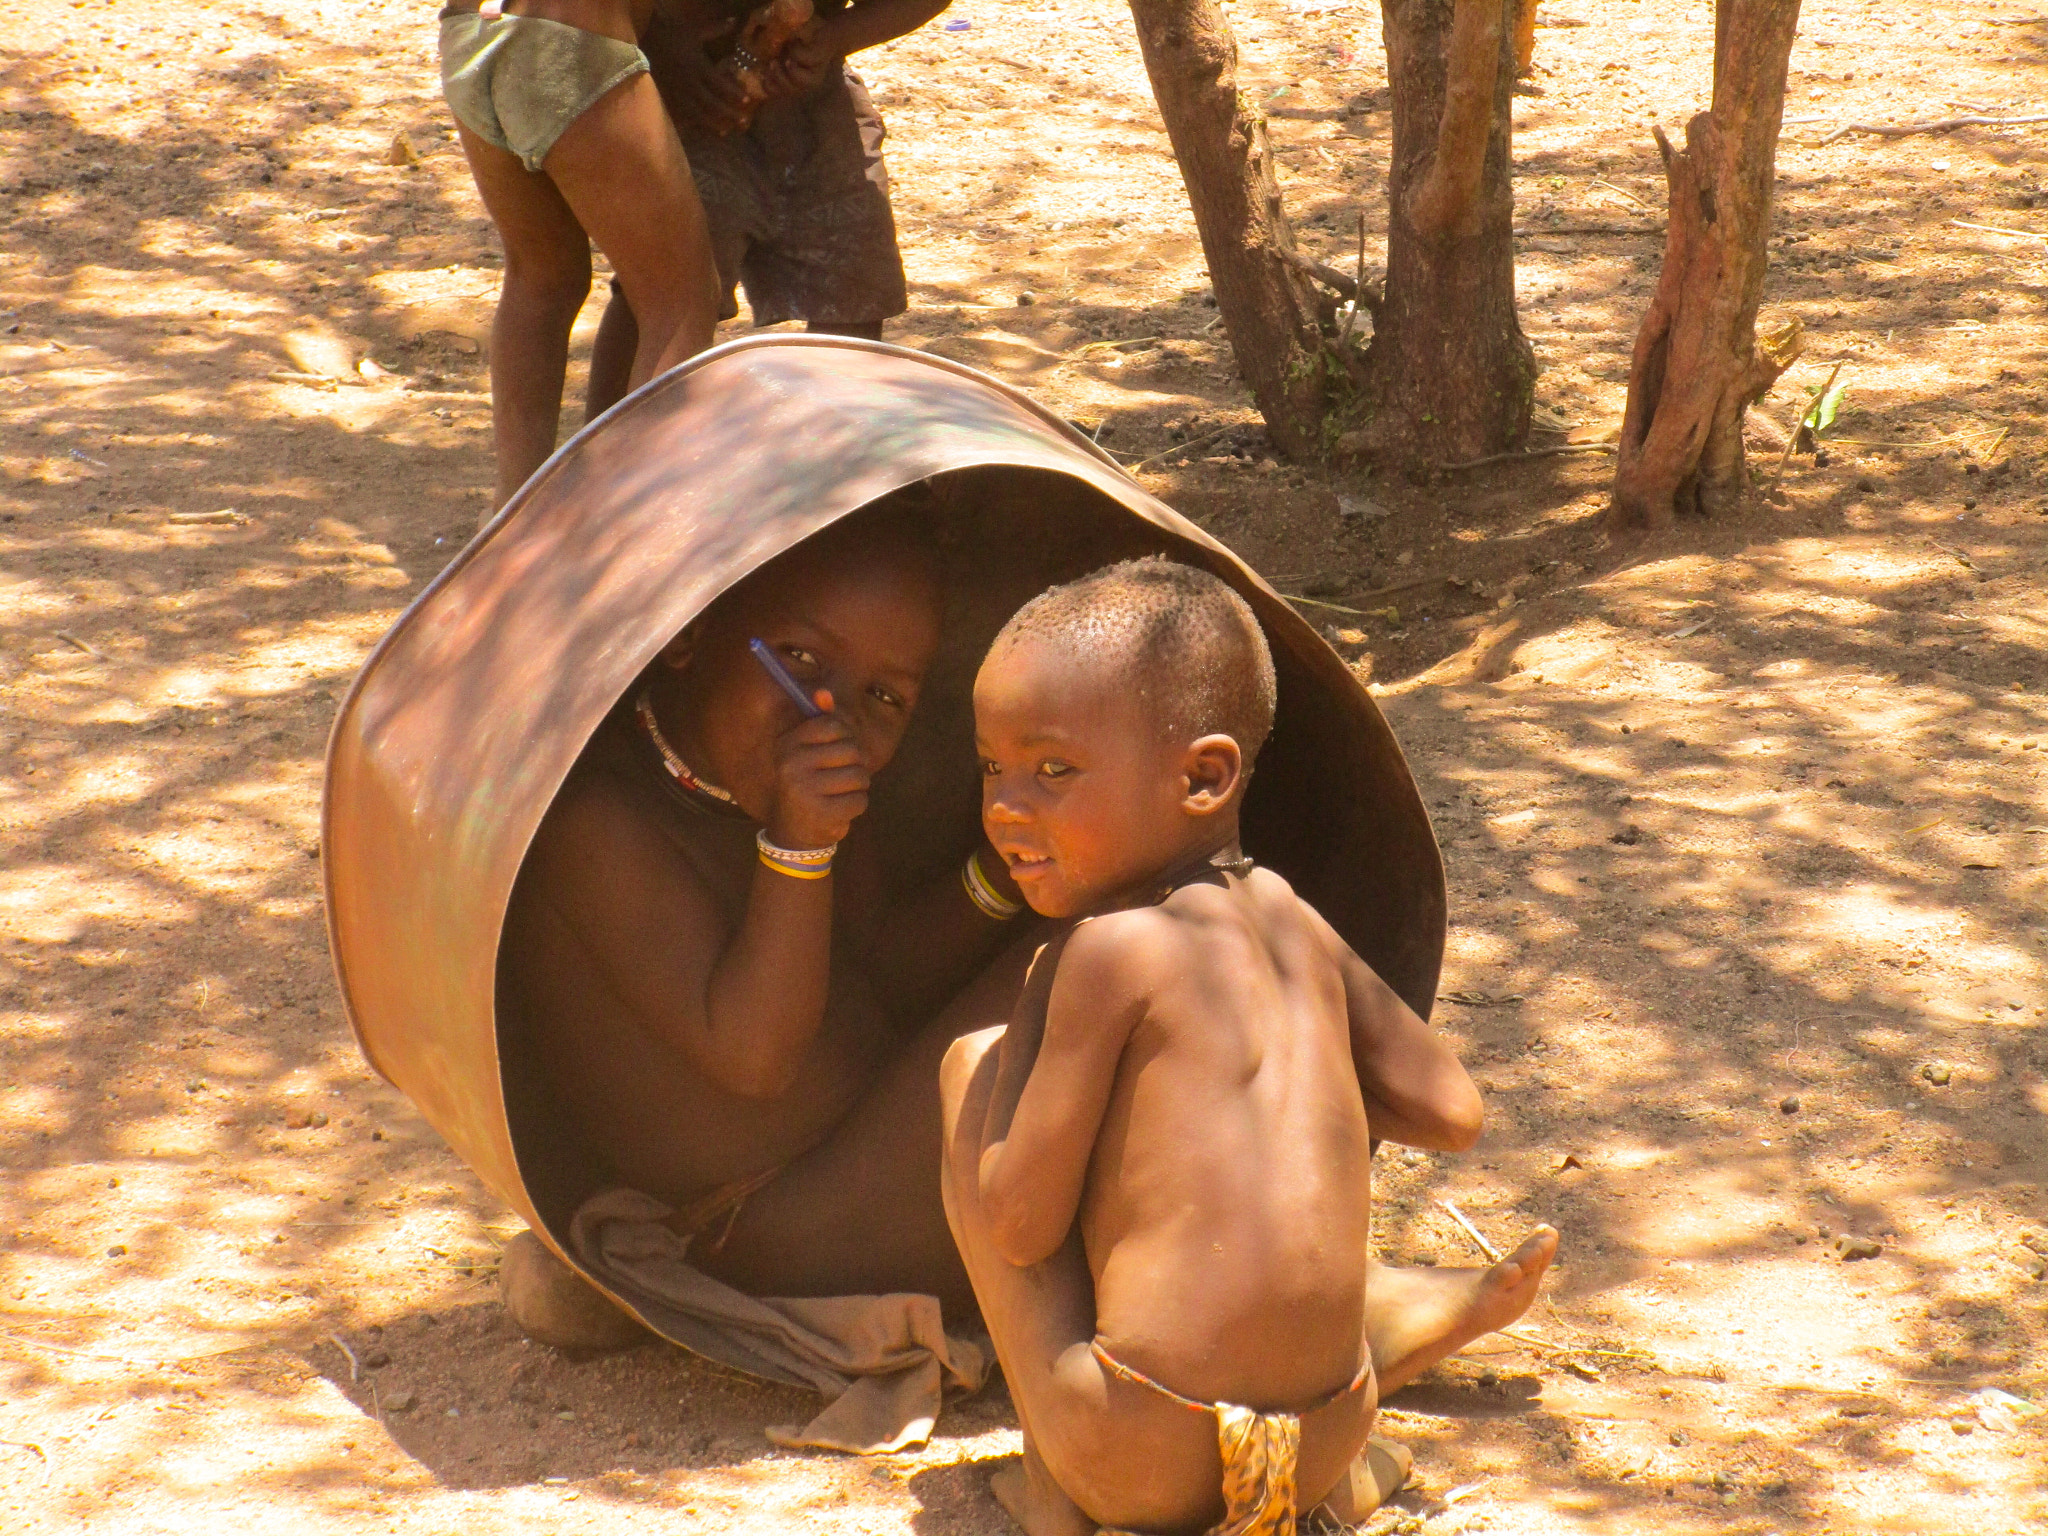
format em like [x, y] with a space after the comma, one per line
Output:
[1747, 825]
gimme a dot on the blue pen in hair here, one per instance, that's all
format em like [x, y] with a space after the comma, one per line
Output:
[772, 665]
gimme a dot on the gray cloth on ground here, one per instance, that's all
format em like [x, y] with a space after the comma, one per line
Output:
[883, 1361]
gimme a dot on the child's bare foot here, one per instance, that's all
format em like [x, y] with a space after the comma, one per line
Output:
[1375, 1475]
[1037, 1503]
[552, 1304]
[1415, 1317]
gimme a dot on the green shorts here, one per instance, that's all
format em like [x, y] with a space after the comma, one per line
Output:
[519, 81]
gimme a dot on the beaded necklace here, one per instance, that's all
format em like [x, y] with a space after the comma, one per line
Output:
[1200, 867]
[678, 770]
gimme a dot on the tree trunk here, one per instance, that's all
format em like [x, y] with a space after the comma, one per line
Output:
[1227, 165]
[1525, 39]
[1697, 364]
[1449, 375]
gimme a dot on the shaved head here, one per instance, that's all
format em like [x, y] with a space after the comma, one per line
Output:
[1187, 644]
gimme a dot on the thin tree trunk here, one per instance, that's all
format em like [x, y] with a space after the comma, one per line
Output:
[1449, 375]
[1525, 39]
[1227, 165]
[1698, 365]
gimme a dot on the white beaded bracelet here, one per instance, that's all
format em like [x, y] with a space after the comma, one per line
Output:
[798, 863]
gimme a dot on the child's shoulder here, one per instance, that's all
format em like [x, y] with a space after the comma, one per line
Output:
[1162, 938]
[1118, 954]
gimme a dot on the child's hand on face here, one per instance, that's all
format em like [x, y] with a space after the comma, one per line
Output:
[821, 783]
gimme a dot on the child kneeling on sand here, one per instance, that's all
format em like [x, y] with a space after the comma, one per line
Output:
[1157, 1173]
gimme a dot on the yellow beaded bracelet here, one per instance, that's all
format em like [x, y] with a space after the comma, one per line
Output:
[797, 863]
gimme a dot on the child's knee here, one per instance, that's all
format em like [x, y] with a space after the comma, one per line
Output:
[963, 1058]
[550, 281]
[959, 1073]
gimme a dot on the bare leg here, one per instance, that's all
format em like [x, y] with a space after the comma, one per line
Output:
[1030, 1497]
[1041, 1318]
[1415, 1317]
[547, 277]
[1098, 1450]
[621, 169]
[861, 1213]
[611, 356]
[1379, 1472]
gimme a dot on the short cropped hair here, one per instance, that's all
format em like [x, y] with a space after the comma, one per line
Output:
[1189, 643]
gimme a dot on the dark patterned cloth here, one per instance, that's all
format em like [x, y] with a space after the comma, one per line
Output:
[799, 209]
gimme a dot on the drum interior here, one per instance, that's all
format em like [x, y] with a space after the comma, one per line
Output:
[1320, 806]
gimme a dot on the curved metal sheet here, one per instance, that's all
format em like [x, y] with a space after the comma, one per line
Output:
[461, 727]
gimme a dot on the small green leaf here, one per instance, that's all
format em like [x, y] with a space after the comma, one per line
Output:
[1821, 414]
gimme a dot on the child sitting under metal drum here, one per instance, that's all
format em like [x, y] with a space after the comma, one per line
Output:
[722, 1001]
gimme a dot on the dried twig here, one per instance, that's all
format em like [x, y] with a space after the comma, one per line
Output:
[1549, 1348]
[1799, 426]
[1590, 229]
[315, 380]
[2017, 234]
[11, 1337]
[72, 640]
[1344, 335]
[1114, 344]
[1328, 276]
[1964, 436]
[1188, 446]
[77, 1354]
[1532, 453]
[1937, 125]
[1471, 1231]
[1624, 191]
[1317, 602]
[355, 1370]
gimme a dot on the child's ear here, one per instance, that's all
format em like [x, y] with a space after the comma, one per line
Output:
[677, 653]
[1213, 771]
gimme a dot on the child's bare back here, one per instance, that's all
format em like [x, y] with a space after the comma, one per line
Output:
[1225, 1211]
[1158, 1173]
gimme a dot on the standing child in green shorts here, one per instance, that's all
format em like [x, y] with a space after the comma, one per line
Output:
[796, 192]
[566, 136]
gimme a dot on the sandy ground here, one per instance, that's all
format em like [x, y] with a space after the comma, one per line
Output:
[1747, 825]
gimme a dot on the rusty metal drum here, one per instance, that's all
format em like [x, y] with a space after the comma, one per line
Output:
[465, 721]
